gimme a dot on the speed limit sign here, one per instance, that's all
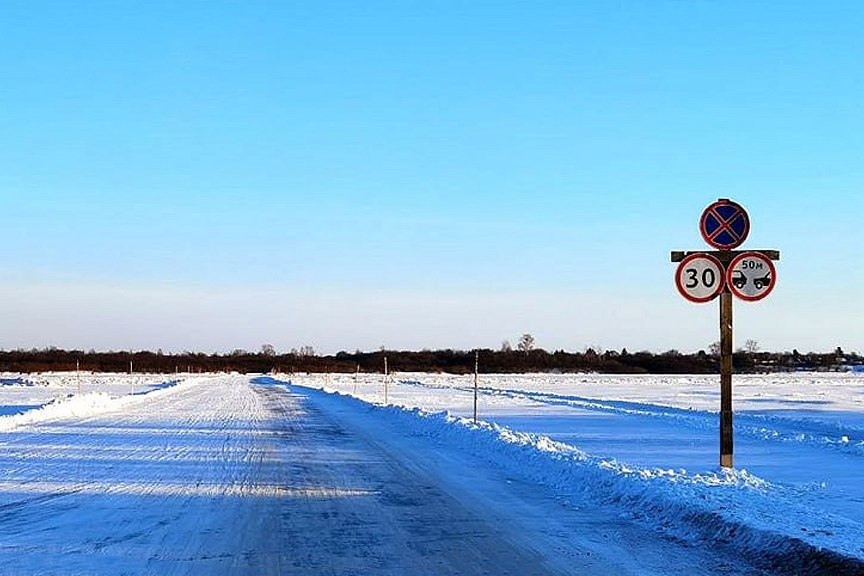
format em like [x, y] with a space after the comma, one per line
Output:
[700, 278]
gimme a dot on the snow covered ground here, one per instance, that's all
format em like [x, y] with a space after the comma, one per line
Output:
[649, 446]
[581, 474]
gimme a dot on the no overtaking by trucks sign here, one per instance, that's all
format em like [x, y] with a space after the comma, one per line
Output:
[751, 276]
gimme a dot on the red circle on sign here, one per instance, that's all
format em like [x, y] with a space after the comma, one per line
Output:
[719, 278]
[727, 231]
[768, 281]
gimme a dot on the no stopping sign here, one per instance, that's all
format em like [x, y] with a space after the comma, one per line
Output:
[724, 225]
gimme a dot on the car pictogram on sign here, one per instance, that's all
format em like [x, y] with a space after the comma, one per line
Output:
[762, 282]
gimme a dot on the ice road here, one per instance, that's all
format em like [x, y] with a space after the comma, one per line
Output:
[239, 475]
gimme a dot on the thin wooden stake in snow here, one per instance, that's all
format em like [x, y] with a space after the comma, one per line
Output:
[385, 381]
[356, 376]
[476, 377]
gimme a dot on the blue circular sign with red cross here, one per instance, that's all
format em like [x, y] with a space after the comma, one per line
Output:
[724, 225]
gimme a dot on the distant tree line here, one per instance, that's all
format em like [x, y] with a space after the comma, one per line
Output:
[506, 360]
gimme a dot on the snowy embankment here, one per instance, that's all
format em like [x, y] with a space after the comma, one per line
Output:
[764, 520]
[51, 396]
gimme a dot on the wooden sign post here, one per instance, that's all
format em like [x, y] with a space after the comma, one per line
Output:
[749, 275]
[726, 437]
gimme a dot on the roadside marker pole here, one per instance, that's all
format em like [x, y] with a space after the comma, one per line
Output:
[703, 275]
[476, 377]
[356, 376]
[78, 375]
[386, 378]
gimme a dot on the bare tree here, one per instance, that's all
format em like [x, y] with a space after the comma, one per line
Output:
[306, 351]
[714, 349]
[268, 350]
[506, 347]
[751, 346]
[526, 343]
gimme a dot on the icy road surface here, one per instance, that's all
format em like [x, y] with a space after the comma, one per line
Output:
[230, 476]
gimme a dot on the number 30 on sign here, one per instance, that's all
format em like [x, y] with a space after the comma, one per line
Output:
[700, 278]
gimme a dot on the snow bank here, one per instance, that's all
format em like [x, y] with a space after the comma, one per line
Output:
[88, 381]
[731, 508]
[81, 406]
[13, 380]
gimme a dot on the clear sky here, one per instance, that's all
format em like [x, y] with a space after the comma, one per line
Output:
[217, 175]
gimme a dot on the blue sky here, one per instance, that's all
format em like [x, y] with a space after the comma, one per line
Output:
[213, 175]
